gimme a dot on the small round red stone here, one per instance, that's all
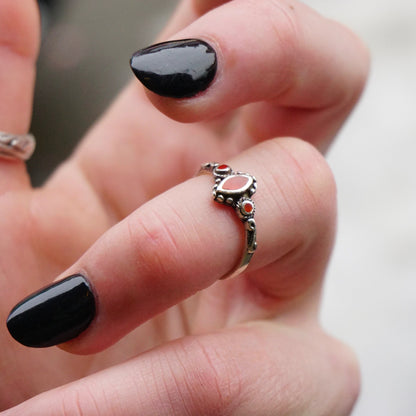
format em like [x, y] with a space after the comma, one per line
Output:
[248, 207]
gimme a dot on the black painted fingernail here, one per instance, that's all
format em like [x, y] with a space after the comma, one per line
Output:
[178, 69]
[53, 315]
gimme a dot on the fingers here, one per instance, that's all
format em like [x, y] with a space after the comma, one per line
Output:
[279, 52]
[258, 369]
[19, 38]
[306, 72]
[182, 242]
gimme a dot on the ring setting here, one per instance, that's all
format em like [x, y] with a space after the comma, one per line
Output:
[235, 189]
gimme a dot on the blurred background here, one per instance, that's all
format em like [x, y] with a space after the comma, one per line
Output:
[83, 63]
[370, 296]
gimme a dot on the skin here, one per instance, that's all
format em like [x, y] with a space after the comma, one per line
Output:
[125, 210]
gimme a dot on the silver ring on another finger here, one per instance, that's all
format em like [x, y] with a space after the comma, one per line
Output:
[16, 146]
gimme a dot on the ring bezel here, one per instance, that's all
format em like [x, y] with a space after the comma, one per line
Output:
[235, 189]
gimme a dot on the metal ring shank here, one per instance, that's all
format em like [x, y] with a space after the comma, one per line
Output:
[235, 189]
[15, 146]
[250, 246]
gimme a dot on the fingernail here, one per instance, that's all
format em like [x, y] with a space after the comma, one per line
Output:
[178, 69]
[53, 315]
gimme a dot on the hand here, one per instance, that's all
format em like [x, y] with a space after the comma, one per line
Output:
[153, 252]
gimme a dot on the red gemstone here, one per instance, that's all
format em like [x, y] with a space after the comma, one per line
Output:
[222, 167]
[248, 207]
[234, 183]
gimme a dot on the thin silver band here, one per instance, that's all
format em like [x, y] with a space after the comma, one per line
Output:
[235, 189]
[16, 146]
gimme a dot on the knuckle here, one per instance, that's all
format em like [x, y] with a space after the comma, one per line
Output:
[157, 239]
[306, 183]
[351, 78]
[302, 206]
[316, 181]
[289, 25]
[282, 22]
[317, 188]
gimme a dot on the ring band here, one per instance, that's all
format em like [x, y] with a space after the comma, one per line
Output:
[235, 189]
[16, 146]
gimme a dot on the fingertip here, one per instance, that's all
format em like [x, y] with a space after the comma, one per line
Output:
[245, 67]
[317, 194]
[299, 64]
[54, 314]
[179, 76]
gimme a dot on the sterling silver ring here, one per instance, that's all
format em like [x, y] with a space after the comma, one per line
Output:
[235, 189]
[16, 146]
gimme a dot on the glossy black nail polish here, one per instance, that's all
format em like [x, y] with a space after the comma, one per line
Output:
[53, 315]
[177, 69]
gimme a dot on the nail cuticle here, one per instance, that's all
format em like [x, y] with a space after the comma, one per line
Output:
[177, 69]
[55, 314]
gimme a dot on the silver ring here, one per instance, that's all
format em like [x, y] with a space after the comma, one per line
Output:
[235, 189]
[16, 146]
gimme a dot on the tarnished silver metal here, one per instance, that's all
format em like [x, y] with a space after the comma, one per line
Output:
[235, 189]
[16, 146]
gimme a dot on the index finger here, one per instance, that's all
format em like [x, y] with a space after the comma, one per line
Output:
[182, 242]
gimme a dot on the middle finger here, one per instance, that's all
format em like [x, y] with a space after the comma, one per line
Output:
[306, 71]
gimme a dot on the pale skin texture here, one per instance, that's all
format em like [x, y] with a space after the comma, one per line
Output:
[248, 346]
